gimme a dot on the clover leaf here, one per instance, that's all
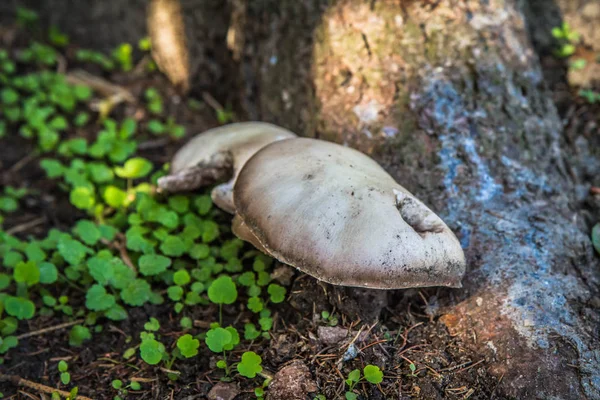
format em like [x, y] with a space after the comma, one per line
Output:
[153, 264]
[276, 293]
[373, 374]
[217, 338]
[82, 198]
[88, 232]
[72, 250]
[116, 313]
[175, 293]
[114, 197]
[353, 377]
[101, 267]
[255, 304]
[181, 277]
[48, 273]
[97, 299]
[19, 307]
[151, 350]
[136, 293]
[180, 204]
[134, 168]
[173, 246]
[203, 204]
[78, 335]
[153, 325]
[250, 364]
[27, 272]
[199, 251]
[188, 346]
[222, 290]
[250, 332]
[8, 343]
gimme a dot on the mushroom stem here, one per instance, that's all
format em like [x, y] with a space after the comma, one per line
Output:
[363, 303]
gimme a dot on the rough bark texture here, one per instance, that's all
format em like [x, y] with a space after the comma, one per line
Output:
[449, 97]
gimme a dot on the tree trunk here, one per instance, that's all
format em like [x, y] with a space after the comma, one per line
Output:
[449, 97]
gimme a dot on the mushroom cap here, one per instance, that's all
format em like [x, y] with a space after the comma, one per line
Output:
[213, 152]
[241, 140]
[335, 214]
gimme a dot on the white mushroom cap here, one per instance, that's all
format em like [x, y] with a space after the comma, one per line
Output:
[335, 214]
[218, 154]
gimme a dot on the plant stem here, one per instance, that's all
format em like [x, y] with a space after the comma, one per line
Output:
[226, 365]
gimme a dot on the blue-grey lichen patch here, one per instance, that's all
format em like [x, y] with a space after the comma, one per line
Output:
[516, 222]
[443, 106]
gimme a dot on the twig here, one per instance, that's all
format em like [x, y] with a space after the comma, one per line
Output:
[122, 250]
[211, 101]
[170, 371]
[470, 366]
[595, 190]
[100, 85]
[27, 225]
[373, 344]
[23, 162]
[49, 329]
[143, 380]
[18, 381]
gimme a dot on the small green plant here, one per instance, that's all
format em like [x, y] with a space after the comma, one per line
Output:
[78, 335]
[330, 319]
[154, 101]
[413, 369]
[221, 340]
[371, 373]
[567, 38]
[57, 38]
[26, 17]
[250, 365]
[151, 350]
[590, 96]
[65, 376]
[94, 57]
[122, 390]
[225, 115]
[188, 346]
[123, 56]
[222, 291]
[130, 245]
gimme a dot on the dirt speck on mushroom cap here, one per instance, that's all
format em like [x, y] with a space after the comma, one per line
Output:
[333, 213]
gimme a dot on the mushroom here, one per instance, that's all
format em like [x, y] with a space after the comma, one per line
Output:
[217, 155]
[335, 214]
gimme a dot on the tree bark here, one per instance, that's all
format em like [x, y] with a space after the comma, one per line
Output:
[449, 97]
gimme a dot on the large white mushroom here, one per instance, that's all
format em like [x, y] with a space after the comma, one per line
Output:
[217, 155]
[335, 214]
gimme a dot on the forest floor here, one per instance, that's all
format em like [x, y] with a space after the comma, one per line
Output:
[101, 346]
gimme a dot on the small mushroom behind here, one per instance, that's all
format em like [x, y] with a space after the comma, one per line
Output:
[217, 155]
[335, 214]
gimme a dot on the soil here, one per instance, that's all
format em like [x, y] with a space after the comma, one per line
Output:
[408, 331]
